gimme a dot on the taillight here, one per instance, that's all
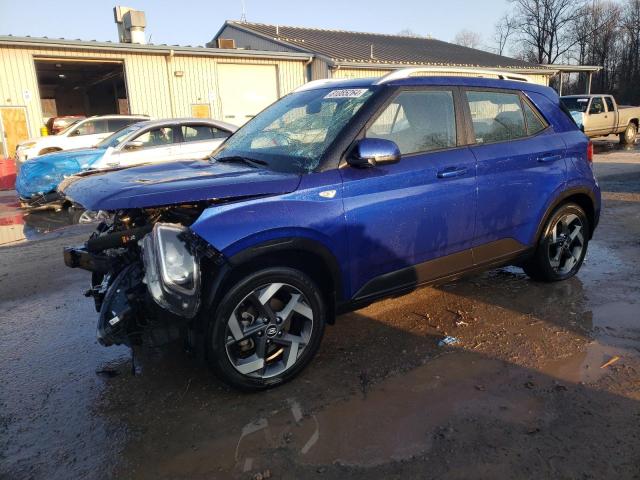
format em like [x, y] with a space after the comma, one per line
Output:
[590, 152]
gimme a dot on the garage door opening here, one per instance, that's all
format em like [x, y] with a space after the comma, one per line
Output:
[81, 87]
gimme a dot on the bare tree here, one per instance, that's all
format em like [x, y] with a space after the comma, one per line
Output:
[467, 38]
[503, 31]
[546, 27]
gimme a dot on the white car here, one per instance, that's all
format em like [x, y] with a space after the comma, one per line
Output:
[162, 141]
[85, 133]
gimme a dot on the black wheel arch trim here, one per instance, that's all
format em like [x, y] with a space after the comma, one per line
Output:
[560, 199]
[299, 244]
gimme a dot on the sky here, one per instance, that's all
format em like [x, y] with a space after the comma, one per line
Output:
[195, 22]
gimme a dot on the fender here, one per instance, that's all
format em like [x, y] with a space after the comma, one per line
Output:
[557, 200]
[302, 244]
[245, 229]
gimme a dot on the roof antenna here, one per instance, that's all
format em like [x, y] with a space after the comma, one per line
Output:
[243, 17]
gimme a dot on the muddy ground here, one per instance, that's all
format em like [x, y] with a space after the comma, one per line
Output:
[522, 395]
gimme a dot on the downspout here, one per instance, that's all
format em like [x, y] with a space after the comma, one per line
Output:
[168, 59]
[307, 68]
[334, 69]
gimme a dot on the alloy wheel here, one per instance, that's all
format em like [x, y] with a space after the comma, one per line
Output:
[268, 330]
[567, 242]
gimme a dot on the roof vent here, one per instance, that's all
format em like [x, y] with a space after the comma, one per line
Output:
[131, 24]
[226, 43]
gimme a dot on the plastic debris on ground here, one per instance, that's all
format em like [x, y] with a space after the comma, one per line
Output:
[448, 340]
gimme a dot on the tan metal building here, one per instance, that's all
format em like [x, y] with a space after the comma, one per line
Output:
[42, 77]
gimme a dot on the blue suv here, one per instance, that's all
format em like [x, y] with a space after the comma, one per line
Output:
[339, 194]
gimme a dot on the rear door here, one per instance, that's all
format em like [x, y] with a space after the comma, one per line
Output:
[614, 118]
[521, 163]
[403, 216]
[199, 140]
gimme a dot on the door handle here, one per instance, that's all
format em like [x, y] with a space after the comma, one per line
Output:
[452, 172]
[549, 158]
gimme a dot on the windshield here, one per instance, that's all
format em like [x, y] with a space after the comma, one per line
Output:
[114, 139]
[292, 134]
[575, 104]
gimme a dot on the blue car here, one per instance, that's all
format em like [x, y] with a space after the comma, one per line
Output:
[339, 194]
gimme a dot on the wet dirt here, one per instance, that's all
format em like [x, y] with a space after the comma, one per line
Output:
[521, 394]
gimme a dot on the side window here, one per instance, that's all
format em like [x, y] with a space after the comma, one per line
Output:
[418, 121]
[496, 116]
[156, 137]
[535, 123]
[116, 124]
[91, 127]
[610, 105]
[197, 133]
[597, 106]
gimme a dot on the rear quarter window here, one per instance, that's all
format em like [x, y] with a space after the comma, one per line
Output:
[496, 116]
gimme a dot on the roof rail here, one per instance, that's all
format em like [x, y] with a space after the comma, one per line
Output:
[444, 71]
[323, 82]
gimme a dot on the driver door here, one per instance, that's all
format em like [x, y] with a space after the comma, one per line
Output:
[151, 146]
[599, 122]
[412, 221]
[87, 134]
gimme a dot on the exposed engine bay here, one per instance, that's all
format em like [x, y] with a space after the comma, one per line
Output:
[146, 273]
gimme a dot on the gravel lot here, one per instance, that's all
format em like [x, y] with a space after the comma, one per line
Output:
[522, 395]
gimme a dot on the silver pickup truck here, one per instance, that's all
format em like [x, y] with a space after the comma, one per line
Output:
[600, 115]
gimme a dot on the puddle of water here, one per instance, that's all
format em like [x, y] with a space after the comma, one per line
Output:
[17, 224]
[601, 146]
[394, 420]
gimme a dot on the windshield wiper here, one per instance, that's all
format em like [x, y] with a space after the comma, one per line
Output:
[252, 162]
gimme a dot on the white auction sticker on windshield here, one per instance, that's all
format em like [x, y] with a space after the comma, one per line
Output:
[346, 93]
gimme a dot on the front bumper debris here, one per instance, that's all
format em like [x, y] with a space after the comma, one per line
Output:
[79, 257]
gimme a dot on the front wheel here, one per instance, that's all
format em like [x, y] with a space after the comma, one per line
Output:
[266, 329]
[629, 135]
[562, 246]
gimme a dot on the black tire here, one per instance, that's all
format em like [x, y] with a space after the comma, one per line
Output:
[628, 137]
[222, 346]
[541, 266]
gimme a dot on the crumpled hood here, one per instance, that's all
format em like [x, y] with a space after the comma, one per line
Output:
[43, 174]
[174, 183]
[84, 156]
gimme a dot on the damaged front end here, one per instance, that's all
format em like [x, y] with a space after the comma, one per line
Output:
[146, 269]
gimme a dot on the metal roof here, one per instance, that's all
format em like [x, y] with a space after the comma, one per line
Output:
[354, 48]
[44, 42]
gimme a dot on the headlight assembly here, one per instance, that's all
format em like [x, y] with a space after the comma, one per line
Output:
[172, 273]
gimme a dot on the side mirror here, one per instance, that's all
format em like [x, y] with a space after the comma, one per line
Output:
[371, 152]
[134, 145]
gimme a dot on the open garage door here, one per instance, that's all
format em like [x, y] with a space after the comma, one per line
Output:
[83, 87]
[245, 90]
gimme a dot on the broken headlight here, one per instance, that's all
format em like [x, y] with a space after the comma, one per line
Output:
[172, 273]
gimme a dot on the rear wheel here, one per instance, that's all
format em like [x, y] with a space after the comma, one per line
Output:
[629, 135]
[266, 329]
[562, 245]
